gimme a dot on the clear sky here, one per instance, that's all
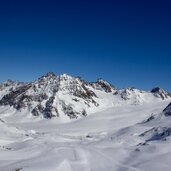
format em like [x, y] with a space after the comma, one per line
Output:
[128, 43]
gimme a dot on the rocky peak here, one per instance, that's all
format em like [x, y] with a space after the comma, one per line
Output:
[103, 85]
[124, 93]
[131, 94]
[158, 92]
[8, 82]
[48, 76]
[10, 85]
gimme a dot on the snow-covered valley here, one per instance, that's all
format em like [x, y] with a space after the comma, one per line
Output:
[129, 129]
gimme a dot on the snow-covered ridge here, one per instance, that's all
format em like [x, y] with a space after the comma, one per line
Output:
[159, 126]
[159, 92]
[70, 97]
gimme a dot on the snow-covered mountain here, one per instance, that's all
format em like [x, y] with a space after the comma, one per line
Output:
[124, 129]
[158, 92]
[66, 96]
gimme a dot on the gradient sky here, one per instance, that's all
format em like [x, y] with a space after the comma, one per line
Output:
[128, 43]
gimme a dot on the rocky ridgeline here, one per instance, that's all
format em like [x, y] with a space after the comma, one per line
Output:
[42, 97]
[51, 95]
[158, 92]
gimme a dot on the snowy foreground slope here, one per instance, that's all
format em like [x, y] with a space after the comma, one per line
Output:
[129, 129]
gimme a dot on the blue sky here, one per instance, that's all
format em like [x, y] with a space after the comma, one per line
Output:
[128, 43]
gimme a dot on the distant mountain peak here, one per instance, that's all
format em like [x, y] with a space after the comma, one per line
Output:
[102, 81]
[101, 84]
[9, 82]
[156, 89]
[159, 92]
[48, 75]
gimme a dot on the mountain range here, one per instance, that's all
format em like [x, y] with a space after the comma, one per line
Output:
[66, 96]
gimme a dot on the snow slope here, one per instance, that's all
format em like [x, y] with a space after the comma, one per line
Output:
[104, 141]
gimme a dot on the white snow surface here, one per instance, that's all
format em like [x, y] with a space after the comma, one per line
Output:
[103, 141]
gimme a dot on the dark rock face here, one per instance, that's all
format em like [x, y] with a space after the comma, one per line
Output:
[103, 85]
[9, 86]
[158, 92]
[69, 111]
[156, 89]
[161, 129]
[125, 94]
[167, 110]
[38, 110]
[39, 97]
[149, 119]
[16, 98]
[8, 83]
[84, 93]
[50, 110]
[157, 133]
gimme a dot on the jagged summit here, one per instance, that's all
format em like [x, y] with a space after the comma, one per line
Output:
[103, 85]
[54, 95]
[131, 93]
[155, 89]
[49, 75]
[159, 92]
[9, 82]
